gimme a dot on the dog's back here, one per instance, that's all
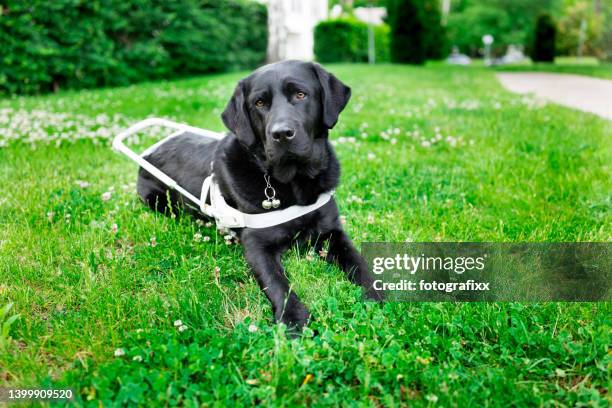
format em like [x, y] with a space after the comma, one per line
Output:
[187, 160]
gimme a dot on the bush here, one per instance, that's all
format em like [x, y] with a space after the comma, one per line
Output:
[382, 43]
[346, 40]
[544, 39]
[407, 32]
[73, 44]
[509, 22]
[435, 43]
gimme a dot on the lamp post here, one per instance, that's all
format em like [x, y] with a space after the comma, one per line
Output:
[371, 43]
[487, 40]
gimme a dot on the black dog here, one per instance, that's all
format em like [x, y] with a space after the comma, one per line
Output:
[279, 118]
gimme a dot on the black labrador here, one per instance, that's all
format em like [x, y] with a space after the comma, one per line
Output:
[279, 118]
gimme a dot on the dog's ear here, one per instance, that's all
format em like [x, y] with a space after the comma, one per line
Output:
[334, 95]
[236, 118]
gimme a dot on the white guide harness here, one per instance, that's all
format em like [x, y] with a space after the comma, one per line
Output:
[225, 215]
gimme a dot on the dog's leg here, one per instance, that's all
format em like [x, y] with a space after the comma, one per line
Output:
[342, 252]
[269, 273]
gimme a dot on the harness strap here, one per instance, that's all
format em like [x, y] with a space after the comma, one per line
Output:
[225, 215]
[229, 217]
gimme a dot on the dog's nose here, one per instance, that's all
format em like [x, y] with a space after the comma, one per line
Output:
[282, 131]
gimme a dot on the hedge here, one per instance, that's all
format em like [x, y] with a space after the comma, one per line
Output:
[49, 45]
[544, 39]
[346, 40]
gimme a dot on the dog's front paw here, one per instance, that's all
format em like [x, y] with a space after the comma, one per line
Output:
[294, 314]
[372, 294]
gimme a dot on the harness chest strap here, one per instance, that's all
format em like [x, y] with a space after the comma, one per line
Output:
[229, 217]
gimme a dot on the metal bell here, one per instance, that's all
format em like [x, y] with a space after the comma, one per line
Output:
[276, 203]
[266, 204]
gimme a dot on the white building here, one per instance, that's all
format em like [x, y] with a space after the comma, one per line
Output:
[291, 28]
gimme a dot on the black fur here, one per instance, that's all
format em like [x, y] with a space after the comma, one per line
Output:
[295, 98]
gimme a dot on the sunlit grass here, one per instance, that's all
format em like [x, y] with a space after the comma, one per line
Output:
[428, 154]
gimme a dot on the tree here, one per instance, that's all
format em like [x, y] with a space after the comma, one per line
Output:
[508, 21]
[580, 21]
[544, 39]
[407, 31]
[435, 36]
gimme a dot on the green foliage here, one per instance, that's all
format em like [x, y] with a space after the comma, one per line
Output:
[444, 351]
[382, 43]
[508, 21]
[570, 23]
[435, 43]
[416, 32]
[346, 40]
[6, 322]
[465, 30]
[356, 3]
[407, 32]
[544, 39]
[72, 44]
[605, 42]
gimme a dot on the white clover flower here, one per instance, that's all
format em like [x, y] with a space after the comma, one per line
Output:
[137, 358]
[106, 196]
[153, 241]
[197, 237]
[114, 228]
[371, 156]
[178, 323]
[432, 398]
[208, 224]
[182, 328]
[252, 328]
[82, 184]
[205, 238]
[356, 199]
[426, 143]
[119, 352]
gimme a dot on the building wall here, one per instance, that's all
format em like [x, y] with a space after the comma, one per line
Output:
[291, 28]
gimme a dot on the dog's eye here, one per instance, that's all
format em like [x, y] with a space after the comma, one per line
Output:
[259, 103]
[300, 95]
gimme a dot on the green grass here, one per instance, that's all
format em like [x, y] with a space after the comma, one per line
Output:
[603, 70]
[513, 170]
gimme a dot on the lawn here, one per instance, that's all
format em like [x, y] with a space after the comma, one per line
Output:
[428, 154]
[603, 70]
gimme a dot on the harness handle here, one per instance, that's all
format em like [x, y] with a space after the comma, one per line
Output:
[119, 145]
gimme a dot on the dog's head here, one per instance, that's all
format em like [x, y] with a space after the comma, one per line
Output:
[287, 108]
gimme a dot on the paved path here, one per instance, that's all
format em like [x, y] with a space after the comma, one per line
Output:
[575, 91]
